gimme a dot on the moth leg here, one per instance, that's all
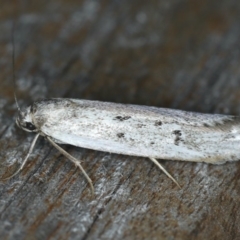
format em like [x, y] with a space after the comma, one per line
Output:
[164, 170]
[72, 159]
[26, 158]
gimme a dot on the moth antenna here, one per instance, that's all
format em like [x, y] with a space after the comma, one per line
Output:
[26, 158]
[164, 170]
[13, 66]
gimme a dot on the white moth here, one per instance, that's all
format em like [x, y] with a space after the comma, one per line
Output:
[155, 133]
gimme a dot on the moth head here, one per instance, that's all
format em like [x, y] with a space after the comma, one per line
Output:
[24, 120]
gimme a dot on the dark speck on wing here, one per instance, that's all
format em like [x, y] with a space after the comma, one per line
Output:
[158, 123]
[120, 135]
[121, 118]
[178, 138]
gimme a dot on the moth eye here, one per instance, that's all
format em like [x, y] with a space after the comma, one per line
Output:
[30, 126]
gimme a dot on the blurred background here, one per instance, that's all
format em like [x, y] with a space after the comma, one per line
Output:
[180, 54]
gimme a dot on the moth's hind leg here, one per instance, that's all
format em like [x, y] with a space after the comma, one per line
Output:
[74, 160]
[164, 170]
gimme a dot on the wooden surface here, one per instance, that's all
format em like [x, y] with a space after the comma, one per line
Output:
[175, 54]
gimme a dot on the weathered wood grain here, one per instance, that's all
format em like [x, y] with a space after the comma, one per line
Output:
[177, 54]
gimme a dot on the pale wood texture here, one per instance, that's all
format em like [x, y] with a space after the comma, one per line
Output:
[176, 54]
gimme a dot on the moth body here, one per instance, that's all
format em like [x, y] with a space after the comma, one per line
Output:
[136, 130]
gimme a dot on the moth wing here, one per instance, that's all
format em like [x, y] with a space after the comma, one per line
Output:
[141, 131]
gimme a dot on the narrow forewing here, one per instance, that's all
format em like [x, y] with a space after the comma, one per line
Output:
[140, 130]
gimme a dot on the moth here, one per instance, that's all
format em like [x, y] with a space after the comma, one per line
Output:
[151, 132]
